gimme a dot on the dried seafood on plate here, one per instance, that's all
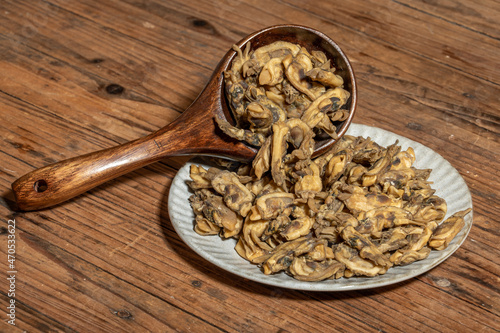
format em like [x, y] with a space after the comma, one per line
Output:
[358, 210]
[391, 230]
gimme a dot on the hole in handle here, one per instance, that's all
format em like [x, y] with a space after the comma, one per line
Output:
[40, 186]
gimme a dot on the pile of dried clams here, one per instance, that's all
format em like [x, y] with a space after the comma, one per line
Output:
[356, 210]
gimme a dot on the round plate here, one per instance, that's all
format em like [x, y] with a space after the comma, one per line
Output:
[447, 182]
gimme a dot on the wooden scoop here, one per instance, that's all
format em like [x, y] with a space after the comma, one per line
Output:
[193, 132]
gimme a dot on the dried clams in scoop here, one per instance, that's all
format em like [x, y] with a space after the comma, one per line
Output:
[278, 82]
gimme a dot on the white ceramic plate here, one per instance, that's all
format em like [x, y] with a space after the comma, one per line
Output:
[447, 182]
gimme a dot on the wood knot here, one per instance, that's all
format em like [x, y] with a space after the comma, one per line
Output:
[199, 23]
[114, 89]
[443, 283]
[204, 26]
[122, 313]
[414, 126]
[96, 61]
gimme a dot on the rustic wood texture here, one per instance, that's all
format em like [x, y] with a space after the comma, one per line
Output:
[80, 76]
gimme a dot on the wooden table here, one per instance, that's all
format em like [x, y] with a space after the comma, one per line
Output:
[79, 76]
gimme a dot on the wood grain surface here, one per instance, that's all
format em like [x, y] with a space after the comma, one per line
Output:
[80, 76]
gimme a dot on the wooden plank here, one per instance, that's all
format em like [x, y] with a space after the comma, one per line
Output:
[110, 259]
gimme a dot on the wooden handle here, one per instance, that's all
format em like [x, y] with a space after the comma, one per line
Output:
[61, 181]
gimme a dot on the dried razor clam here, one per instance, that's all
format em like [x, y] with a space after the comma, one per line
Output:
[357, 210]
[447, 230]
